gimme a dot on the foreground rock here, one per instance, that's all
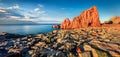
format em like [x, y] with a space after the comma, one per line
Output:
[89, 48]
[88, 18]
[82, 42]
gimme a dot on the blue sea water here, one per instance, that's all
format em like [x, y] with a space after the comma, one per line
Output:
[26, 29]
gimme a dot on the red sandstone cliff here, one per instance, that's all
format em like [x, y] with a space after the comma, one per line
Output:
[88, 18]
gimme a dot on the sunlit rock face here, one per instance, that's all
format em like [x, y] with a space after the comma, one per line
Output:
[88, 18]
[66, 24]
[113, 20]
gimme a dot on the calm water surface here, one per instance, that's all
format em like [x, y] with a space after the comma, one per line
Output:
[26, 29]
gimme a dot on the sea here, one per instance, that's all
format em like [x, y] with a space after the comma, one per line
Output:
[27, 29]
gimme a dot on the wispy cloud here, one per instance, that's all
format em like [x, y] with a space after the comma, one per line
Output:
[40, 5]
[42, 12]
[14, 7]
[26, 17]
[2, 10]
[36, 9]
[14, 17]
[35, 13]
[9, 14]
[16, 12]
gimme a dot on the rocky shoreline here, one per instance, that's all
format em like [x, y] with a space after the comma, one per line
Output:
[82, 42]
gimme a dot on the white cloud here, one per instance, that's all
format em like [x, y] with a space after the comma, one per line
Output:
[8, 14]
[14, 7]
[40, 5]
[41, 12]
[36, 9]
[26, 17]
[30, 15]
[35, 13]
[2, 10]
[14, 17]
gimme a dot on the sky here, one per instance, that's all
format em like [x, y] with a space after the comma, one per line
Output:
[55, 11]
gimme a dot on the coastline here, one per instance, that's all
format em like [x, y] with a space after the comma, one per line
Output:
[64, 43]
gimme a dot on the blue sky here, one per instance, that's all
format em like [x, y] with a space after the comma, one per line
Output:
[47, 11]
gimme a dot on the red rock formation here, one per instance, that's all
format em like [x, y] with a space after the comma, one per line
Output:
[87, 18]
[76, 23]
[66, 23]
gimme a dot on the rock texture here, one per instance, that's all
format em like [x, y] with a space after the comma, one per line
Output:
[113, 20]
[88, 18]
[66, 23]
[82, 42]
[89, 48]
